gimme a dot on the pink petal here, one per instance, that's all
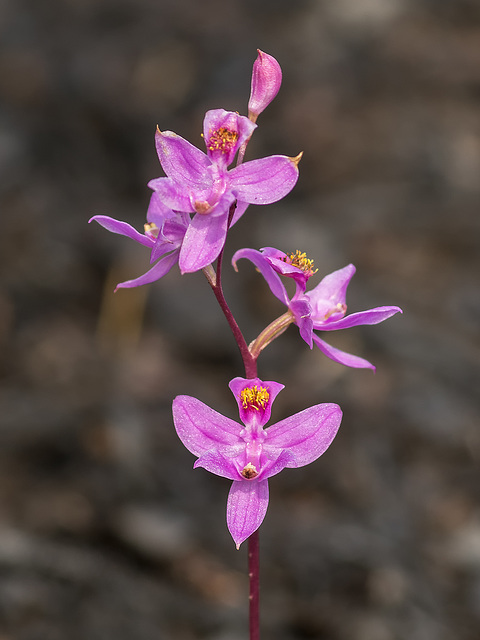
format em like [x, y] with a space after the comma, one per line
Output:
[201, 428]
[267, 271]
[307, 434]
[169, 193]
[203, 242]
[372, 316]
[333, 288]
[265, 180]
[181, 161]
[341, 356]
[221, 462]
[162, 267]
[246, 508]
[266, 81]
[123, 229]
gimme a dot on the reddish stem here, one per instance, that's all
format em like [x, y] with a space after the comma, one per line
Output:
[254, 583]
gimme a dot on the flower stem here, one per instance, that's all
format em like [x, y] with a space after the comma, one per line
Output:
[214, 278]
[254, 583]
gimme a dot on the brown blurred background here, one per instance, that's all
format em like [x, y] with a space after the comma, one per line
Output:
[105, 530]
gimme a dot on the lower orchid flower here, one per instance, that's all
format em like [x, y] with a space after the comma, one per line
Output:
[250, 454]
[323, 308]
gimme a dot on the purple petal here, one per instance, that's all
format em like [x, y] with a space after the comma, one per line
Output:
[201, 428]
[274, 461]
[203, 241]
[162, 267]
[333, 288]
[372, 316]
[182, 162]
[226, 462]
[262, 415]
[158, 211]
[123, 229]
[270, 275]
[246, 508]
[307, 434]
[265, 180]
[341, 356]
[171, 195]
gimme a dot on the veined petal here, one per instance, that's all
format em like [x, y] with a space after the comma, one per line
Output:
[265, 180]
[246, 508]
[162, 267]
[123, 229]
[171, 195]
[306, 434]
[203, 241]
[270, 275]
[158, 211]
[182, 162]
[201, 428]
[371, 316]
[221, 461]
[332, 289]
[341, 357]
[273, 461]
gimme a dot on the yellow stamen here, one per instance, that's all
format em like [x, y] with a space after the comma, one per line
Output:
[222, 139]
[299, 259]
[254, 398]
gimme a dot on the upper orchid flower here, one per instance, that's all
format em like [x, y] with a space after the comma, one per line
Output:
[249, 455]
[323, 308]
[266, 81]
[164, 234]
[202, 184]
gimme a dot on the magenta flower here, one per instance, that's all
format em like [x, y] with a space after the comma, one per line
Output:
[164, 234]
[248, 454]
[323, 308]
[266, 81]
[202, 184]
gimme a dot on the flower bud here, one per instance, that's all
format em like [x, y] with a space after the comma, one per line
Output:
[266, 81]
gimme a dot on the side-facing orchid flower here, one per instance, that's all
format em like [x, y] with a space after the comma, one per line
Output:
[201, 183]
[266, 81]
[164, 234]
[323, 308]
[250, 454]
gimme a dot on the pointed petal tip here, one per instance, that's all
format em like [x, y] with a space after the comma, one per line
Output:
[296, 159]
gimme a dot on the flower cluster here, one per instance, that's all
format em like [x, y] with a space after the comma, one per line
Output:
[191, 210]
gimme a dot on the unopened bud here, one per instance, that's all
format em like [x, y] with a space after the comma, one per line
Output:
[266, 81]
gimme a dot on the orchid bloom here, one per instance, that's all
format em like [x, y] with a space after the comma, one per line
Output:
[164, 234]
[250, 454]
[202, 184]
[266, 81]
[323, 308]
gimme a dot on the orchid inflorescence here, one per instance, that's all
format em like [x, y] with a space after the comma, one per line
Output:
[191, 210]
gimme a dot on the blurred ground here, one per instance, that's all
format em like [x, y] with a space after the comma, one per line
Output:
[106, 531]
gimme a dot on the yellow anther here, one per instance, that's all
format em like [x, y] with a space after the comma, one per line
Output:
[299, 259]
[254, 397]
[222, 139]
